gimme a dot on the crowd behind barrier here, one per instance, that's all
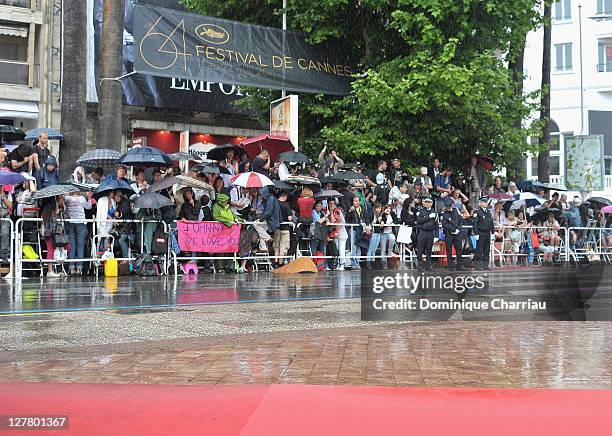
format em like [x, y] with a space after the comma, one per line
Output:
[245, 213]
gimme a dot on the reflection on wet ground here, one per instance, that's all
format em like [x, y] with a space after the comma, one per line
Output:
[162, 292]
[172, 330]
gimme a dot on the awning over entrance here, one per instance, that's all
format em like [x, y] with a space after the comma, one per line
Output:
[13, 31]
[27, 110]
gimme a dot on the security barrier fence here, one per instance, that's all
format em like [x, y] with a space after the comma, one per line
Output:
[510, 245]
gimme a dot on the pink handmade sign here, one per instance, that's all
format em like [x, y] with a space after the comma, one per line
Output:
[208, 237]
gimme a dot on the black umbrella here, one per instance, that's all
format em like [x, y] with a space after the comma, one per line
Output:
[282, 185]
[152, 200]
[600, 200]
[101, 157]
[349, 175]
[10, 133]
[554, 187]
[328, 193]
[145, 157]
[108, 185]
[330, 179]
[165, 183]
[220, 151]
[293, 156]
[54, 191]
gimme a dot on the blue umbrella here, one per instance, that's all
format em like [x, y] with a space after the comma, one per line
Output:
[527, 185]
[31, 135]
[108, 185]
[145, 157]
[11, 178]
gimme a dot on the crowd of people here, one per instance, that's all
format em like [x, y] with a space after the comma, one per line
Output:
[343, 215]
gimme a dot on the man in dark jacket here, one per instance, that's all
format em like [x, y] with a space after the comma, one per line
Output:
[272, 210]
[426, 220]
[453, 234]
[48, 175]
[282, 236]
[483, 228]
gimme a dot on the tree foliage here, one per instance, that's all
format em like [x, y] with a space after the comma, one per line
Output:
[433, 77]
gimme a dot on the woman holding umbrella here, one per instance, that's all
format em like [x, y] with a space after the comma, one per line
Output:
[6, 207]
[52, 213]
[76, 229]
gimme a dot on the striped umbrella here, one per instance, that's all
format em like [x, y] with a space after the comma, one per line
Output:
[101, 157]
[251, 180]
[53, 191]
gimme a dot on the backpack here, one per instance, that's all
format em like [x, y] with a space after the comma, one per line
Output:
[144, 266]
[160, 240]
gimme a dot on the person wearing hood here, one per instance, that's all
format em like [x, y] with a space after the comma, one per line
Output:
[49, 174]
[222, 212]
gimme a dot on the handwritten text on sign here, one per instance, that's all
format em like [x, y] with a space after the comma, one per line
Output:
[208, 237]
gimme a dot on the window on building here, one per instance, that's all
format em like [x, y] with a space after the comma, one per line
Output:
[563, 57]
[554, 142]
[16, 3]
[605, 58]
[554, 165]
[13, 48]
[604, 7]
[534, 166]
[608, 166]
[562, 10]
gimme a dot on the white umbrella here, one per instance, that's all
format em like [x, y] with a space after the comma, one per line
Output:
[527, 199]
[251, 180]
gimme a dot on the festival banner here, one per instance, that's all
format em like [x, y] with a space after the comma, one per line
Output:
[584, 163]
[208, 237]
[193, 47]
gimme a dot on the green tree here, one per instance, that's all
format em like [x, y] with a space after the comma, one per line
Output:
[433, 75]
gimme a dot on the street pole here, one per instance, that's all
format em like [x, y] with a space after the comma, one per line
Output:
[283, 92]
[581, 78]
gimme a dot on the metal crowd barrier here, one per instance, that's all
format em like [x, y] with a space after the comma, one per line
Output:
[19, 242]
[576, 243]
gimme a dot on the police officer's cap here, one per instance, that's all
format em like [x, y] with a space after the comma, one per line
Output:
[484, 199]
[448, 202]
[417, 182]
[427, 199]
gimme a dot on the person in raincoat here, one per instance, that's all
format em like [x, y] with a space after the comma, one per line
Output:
[222, 212]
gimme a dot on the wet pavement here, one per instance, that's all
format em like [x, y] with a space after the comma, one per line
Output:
[264, 328]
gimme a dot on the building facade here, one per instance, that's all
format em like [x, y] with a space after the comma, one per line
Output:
[30, 63]
[581, 54]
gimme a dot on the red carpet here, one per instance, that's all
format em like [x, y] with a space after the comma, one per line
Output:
[310, 410]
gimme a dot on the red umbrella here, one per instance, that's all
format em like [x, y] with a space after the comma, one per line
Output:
[251, 180]
[485, 161]
[501, 196]
[274, 144]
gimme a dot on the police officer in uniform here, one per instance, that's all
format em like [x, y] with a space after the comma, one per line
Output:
[426, 220]
[483, 228]
[452, 223]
